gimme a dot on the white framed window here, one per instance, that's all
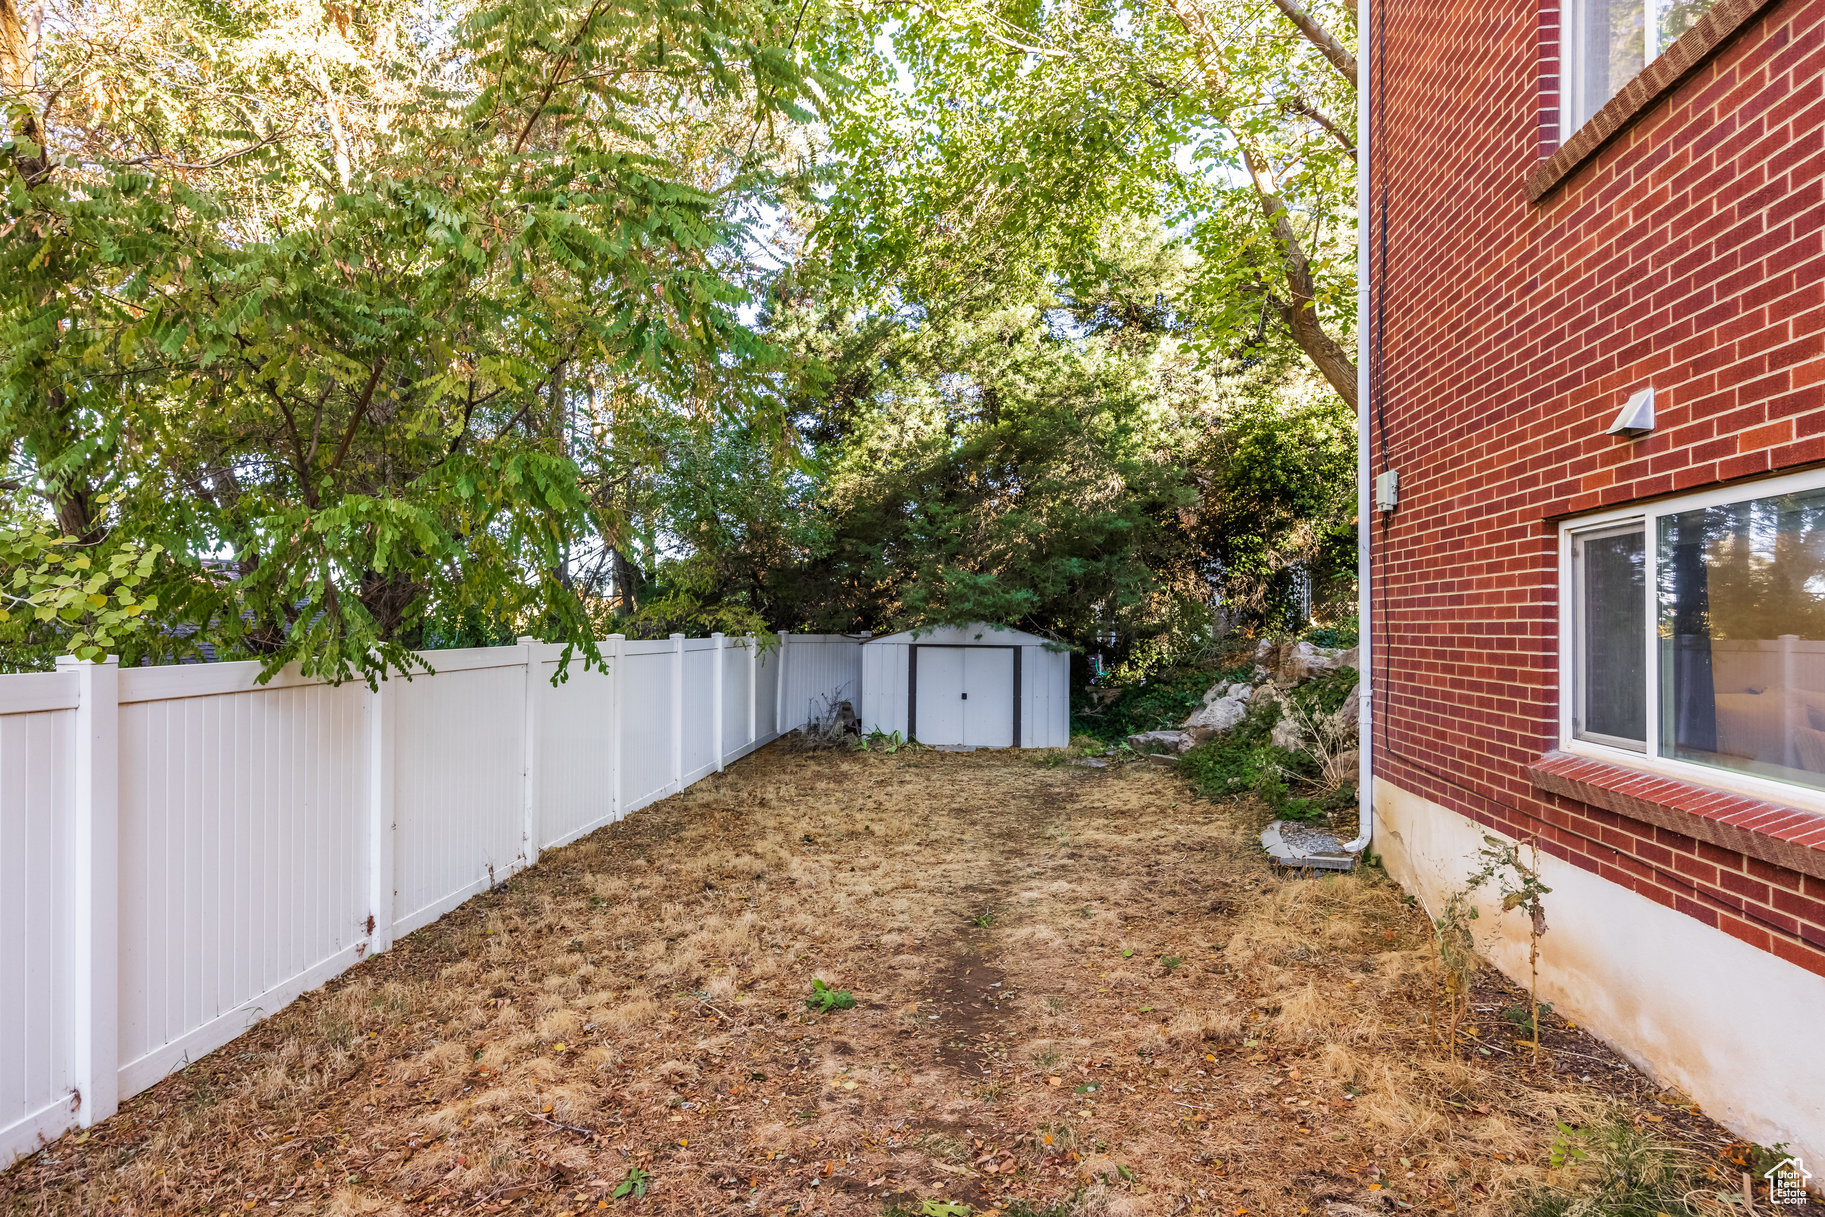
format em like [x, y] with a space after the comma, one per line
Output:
[1692, 637]
[1604, 44]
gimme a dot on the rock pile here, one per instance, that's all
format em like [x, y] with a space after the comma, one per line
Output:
[1278, 670]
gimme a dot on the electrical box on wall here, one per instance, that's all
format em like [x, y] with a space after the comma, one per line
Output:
[1387, 489]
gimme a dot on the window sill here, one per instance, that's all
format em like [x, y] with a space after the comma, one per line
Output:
[1687, 54]
[1783, 836]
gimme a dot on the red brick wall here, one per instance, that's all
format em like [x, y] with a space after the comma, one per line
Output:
[1689, 253]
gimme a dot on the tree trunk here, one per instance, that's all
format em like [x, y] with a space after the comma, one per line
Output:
[1323, 39]
[1299, 312]
[558, 425]
[20, 22]
[624, 587]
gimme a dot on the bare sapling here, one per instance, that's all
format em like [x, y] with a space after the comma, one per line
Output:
[1456, 945]
[1521, 888]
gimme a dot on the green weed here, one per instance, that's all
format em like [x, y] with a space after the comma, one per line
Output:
[1616, 1170]
[824, 999]
[929, 1208]
[1522, 1018]
[634, 1185]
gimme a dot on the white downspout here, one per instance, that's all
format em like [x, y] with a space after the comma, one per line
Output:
[1365, 709]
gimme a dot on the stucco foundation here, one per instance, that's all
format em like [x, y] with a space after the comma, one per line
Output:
[1733, 1027]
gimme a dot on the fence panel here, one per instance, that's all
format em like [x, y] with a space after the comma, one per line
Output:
[457, 781]
[699, 739]
[766, 694]
[242, 855]
[576, 756]
[646, 741]
[184, 850]
[37, 759]
[737, 698]
[820, 669]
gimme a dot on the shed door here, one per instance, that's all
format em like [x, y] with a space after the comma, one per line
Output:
[938, 715]
[988, 704]
[963, 695]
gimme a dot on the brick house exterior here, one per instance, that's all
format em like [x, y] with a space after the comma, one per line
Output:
[1527, 286]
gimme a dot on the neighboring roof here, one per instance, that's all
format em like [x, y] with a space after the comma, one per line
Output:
[978, 634]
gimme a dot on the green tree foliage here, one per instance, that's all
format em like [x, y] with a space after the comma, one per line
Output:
[1022, 130]
[331, 333]
[303, 296]
[1279, 504]
[1059, 460]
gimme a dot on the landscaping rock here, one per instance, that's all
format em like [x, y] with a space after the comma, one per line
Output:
[1166, 759]
[1224, 706]
[1288, 733]
[1159, 741]
[1305, 661]
[1347, 721]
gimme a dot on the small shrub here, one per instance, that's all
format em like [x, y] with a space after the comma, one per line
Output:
[1343, 634]
[1159, 703]
[1244, 759]
[1238, 761]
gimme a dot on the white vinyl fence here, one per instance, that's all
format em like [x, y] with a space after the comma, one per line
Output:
[184, 850]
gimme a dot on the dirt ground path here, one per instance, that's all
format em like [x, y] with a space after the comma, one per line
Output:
[1076, 991]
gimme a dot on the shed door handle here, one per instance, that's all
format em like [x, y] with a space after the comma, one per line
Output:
[966, 697]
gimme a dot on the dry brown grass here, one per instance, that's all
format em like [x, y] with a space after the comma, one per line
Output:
[636, 1001]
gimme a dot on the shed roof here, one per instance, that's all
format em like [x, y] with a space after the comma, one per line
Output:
[978, 634]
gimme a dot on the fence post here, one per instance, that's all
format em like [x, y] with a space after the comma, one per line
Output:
[529, 819]
[95, 890]
[383, 707]
[753, 689]
[716, 690]
[618, 727]
[779, 686]
[677, 713]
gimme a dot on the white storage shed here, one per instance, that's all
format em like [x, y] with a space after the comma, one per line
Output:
[967, 686]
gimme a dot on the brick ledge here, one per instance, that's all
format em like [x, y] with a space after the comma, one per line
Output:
[1783, 836]
[1687, 54]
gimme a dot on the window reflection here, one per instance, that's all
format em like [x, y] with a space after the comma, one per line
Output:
[1612, 667]
[1741, 625]
[1609, 42]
